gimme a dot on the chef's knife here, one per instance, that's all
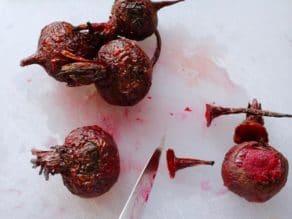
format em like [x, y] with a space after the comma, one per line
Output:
[135, 204]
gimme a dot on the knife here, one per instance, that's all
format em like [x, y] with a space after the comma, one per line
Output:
[138, 198]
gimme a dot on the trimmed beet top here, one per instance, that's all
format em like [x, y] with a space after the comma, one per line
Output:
[174, 164]
[88, 161]
[252, 169]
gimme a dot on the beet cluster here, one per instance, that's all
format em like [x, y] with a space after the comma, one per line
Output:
[252, 169]
[104, 54]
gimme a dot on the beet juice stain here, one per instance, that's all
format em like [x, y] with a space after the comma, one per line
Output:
[252, 169]
[88, 161]
[128, 75]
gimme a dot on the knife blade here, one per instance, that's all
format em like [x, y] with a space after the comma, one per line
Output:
[138, 198]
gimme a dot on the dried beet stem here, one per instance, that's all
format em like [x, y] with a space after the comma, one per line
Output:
[174, 163]
[33, 59]
[162, 4]
[213, 112]
[158, 48]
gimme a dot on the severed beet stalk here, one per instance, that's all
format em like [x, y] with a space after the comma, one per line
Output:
[252, 169]
[88, 161]
[133, 19]
[174, 164]
[213, 112]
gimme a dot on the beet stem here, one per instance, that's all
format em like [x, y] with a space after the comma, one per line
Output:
[162, 4]
[174, 163]
[49, 162]
[182, 163]
[213, 112]
[158, 48]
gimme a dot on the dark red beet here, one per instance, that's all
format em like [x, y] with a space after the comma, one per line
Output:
[137, 19]
[88, 161]
[252, 169]
[57, 38]
[129, 72]
[133, 19]
[174, 164]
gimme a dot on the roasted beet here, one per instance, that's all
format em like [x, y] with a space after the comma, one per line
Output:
[88, 161]
[57, 38]
[174, 163]
[133, 19]
[137, 19]
[129, 71]
[252, 169]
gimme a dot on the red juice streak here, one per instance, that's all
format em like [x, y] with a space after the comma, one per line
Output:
[188, 109]
[139, 120]
[145, 193]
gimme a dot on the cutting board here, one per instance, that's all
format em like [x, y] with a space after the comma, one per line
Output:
[223, 51]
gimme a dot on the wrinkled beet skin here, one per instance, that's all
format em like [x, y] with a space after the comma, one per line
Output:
[254, 171]
[141, 13]
[59, 36]
[101, 178]
[88, 161]
[130, 73]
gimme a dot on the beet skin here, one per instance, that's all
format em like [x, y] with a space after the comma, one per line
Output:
[88, 161]
[254, 171]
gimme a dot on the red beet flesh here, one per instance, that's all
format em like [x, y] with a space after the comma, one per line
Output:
[56, 38]
[254, 171]
[88, 161]
[174, 164]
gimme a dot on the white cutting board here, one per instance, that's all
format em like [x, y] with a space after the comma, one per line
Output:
[213, 51]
